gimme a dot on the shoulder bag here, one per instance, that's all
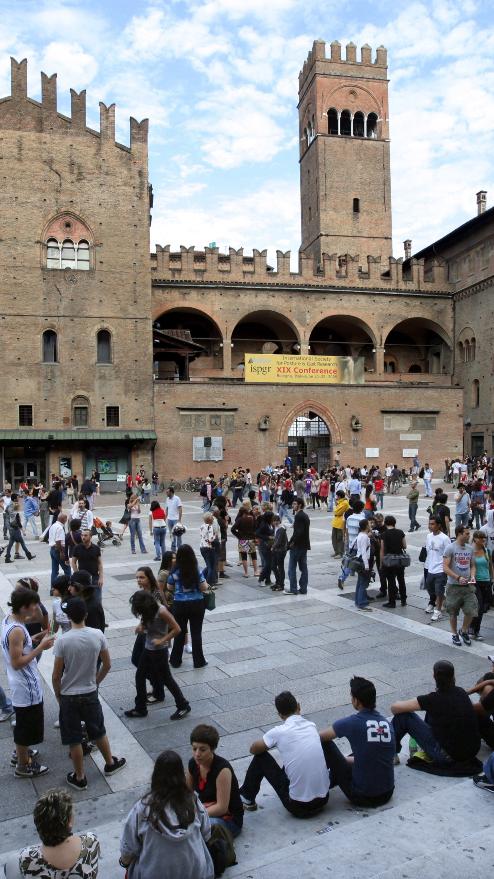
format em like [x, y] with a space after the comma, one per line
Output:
[396, 560]
[209, 599]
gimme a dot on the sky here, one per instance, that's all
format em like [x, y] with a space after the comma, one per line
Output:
[218, 80]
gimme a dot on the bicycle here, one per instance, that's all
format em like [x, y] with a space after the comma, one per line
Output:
[193, 484]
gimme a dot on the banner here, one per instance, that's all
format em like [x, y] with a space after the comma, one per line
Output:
[303, 369]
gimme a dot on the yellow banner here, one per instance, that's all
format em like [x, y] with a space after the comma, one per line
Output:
[303, 369]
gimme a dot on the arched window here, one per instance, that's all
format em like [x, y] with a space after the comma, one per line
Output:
[467, 351]
[345, 123]
[358, 124]
[389, 366]
[461, 352]
[68, 243]
[82, 256]
[475, 393]
[68, 254]
[472, 348]
[333, 121]
[372, 125]
[356, 205]
[80, 412]
[50, 353]
[103, 347]
[53, 254]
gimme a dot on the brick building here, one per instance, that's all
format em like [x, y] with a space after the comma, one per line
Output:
[117, 358]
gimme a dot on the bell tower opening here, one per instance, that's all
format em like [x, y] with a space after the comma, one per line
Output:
[344, 104]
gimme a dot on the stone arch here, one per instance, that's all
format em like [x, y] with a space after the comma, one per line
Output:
[263, 331]
[314, 406]
[344, 318]
[420, 341]
[187, 342]
[160, 311]
[330, 96]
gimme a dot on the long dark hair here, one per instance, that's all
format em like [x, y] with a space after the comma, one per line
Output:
[186, 563]
[149, 573]
[169, 789]
[143, 605]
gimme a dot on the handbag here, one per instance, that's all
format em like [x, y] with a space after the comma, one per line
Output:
[209, 600]
[423, 554]
[396, 560]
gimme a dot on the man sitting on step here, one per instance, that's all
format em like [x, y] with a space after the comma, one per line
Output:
[367, 777]
[302, 782]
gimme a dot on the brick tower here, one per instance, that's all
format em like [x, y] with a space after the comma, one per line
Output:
[345, 185]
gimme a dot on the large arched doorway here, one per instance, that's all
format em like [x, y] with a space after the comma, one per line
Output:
[309, 441]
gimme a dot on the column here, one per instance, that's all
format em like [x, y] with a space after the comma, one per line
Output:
[379, 360]
[227, 357]
[351, 124]
[339, 121]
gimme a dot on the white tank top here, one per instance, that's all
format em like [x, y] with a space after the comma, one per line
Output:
[24, 683]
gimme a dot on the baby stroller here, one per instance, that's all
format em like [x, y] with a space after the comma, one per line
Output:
[105, 533]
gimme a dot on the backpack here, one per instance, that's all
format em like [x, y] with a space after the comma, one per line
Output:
[221, 848]
[203, 492]
[421, 473]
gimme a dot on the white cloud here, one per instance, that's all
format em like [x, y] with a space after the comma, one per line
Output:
[267, 217]
[75, 67]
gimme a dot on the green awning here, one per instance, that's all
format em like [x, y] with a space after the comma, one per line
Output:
[82, 435]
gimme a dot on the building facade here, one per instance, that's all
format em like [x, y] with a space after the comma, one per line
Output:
[115, 358]
[76, 293]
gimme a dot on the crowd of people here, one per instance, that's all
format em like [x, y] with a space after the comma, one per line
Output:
[179, 820]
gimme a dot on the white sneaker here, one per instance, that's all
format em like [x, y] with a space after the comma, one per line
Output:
[430, 608]
[436, 616]
[56, 725]
[188, 648]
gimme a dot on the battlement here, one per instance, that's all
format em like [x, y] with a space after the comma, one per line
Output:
[19, 112]
[209, 266]
[318, 62]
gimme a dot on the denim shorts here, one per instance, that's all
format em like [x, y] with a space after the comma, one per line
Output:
[436, 583]
[76, 709]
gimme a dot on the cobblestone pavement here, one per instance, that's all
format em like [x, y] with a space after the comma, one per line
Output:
[257, 643]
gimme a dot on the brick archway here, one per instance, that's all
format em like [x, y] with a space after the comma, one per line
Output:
[320, 410]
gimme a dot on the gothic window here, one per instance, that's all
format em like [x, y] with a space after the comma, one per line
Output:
[475, 393]
[358, 125]
[80, 412]
[103, 347]
[68, 244]
[372, 125]
[68, 254]
[346, 123]
[50, 353]
[333, 121]
[472, 348]
[466, 349]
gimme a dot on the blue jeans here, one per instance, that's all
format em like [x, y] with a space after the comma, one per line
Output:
[56, 563]
[361, 599]
[418, 729]
[298, 557]
[229, 823]
[428, 487]
[135, 530]
[5, 703]
[209, 555]
[380, 499]
[176, 539]
[285, 510]
[462, 519]
[412, 515]
[331, 502]
[159, 537]
[489, 768]
[31, 520]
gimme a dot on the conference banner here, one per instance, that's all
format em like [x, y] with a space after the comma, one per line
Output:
[303, 369]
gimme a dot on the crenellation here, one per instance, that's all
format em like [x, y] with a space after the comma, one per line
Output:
[335, 51]
[78, 108]
[49, 93]
[18, 112]
[366, 54]
[351, 270]
[18, 78]
[351, 53]
[107, 121]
